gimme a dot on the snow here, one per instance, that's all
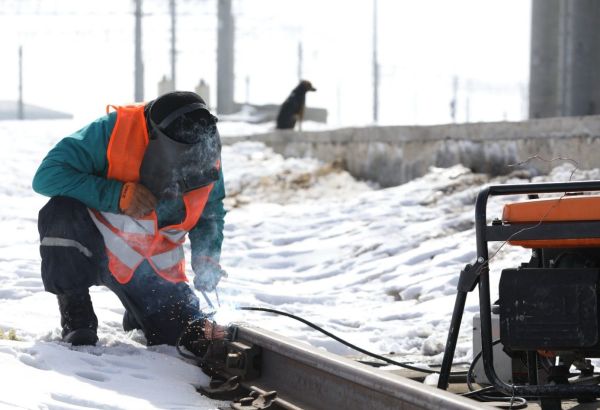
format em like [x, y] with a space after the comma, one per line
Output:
[378, 267]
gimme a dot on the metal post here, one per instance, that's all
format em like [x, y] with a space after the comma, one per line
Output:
[139, 65]
[20, 110]
[469, 277]
[582, 57]
[565, 51]
[375, 67]
[172, 8]
[225, 59]
[544, 56]
[457, 314]
[454, 98]
[300, 58]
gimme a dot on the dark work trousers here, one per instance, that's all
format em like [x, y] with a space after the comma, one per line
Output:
[74, 258]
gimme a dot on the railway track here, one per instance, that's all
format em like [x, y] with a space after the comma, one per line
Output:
[275, 372]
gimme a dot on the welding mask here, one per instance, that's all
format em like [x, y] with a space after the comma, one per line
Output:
[183, 149]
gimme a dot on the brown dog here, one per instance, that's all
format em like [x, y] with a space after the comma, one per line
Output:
[292, 109]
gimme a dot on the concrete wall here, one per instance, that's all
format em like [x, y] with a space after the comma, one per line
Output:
[394, 155]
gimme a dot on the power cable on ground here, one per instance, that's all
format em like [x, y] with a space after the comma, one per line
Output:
[346, 343]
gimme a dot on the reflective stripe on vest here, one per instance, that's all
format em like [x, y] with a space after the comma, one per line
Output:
[121, 245]
[174, 235]
[168, 259]
[128, 224]
[129, 241]
[117, 245]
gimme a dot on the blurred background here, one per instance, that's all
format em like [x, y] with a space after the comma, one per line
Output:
[372, 61]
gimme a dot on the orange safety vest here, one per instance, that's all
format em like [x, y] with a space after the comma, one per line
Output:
[130, 241]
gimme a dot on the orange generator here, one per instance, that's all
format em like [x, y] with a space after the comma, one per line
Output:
[548, 306]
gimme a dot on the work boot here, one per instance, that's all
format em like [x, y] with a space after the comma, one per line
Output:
[77, 318]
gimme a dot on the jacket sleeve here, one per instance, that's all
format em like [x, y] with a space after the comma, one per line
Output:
[206, 237]
[77, 166]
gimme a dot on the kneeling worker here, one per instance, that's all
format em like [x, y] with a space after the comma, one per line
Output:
[125, 190]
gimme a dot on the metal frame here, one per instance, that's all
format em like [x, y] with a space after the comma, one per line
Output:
[479, 274]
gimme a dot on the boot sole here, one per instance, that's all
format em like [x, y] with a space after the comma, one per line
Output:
[82, 337]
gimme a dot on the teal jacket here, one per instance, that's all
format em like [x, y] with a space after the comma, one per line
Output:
[77, 167]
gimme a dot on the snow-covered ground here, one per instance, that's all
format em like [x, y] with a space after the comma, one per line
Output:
[378, 267]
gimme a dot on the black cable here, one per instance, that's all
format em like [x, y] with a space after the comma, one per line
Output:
[193, 357]
[478, 391]
[514, 402]
[346, 343]
[472, 367]
[184, 354]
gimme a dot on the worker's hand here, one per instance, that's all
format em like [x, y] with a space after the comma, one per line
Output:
[214, 331]
[207, 272]
[136, 200]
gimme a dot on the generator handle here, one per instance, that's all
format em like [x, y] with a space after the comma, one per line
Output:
[485, 310]
[540, 188]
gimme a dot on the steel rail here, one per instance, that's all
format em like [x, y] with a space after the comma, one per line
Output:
[313, 379]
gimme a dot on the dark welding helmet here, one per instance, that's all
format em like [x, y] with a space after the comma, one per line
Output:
[184, 146]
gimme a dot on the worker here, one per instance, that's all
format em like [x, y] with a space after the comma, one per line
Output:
[125, 190]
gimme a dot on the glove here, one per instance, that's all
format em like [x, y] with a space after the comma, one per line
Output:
[214, 331]
[208, 273]
[136, 200]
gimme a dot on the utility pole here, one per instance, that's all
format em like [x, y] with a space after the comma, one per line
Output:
[225, 58]
[20, 111]
[338, 100]
[300, 62]
[375, 67]
[454, 97]
[173, 38]
[139, 65]
[247, 89]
